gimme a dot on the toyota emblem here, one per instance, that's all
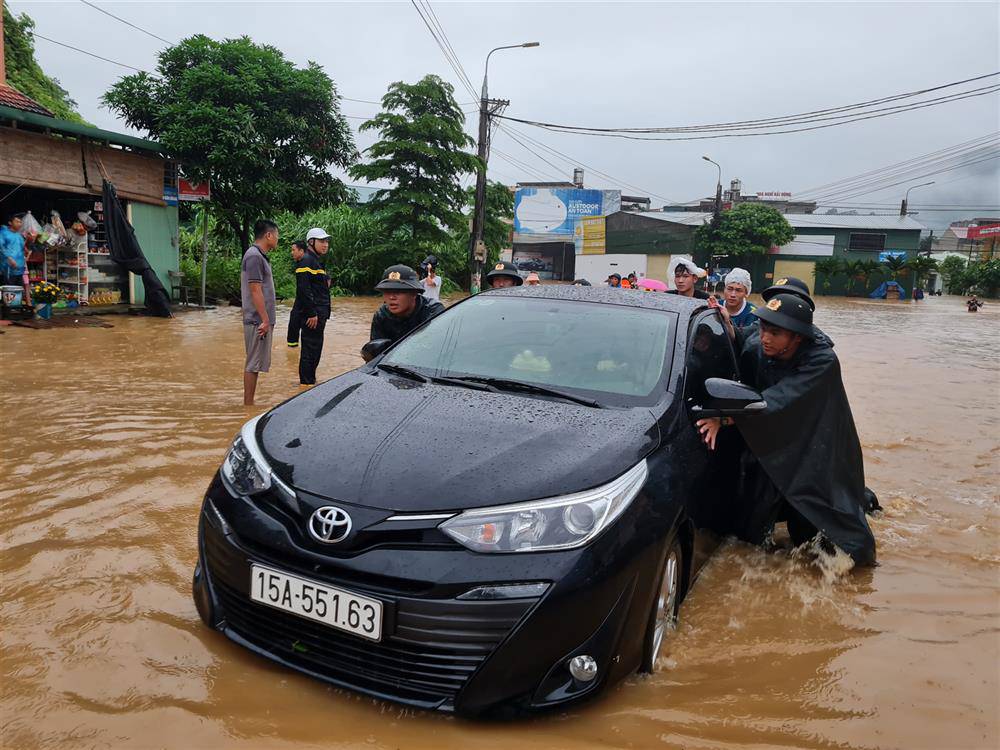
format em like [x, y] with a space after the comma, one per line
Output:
[329, 525]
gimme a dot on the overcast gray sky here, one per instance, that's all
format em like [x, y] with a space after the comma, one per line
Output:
[616, 64]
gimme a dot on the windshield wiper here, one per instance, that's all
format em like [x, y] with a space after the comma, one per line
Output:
[503, 384]
[406, 372]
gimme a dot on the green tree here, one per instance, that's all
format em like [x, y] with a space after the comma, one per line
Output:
[421, 151]
[894, 265]
[829, 269]
[748, 229]
[854, 270]
[953, 269]
[24, 73]
[921, 266]
[240, 114]
[866, 270]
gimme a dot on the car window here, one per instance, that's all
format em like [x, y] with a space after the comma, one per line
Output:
[595, 348]
[710, 355]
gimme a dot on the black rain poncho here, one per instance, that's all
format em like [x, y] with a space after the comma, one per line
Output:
[807, 443]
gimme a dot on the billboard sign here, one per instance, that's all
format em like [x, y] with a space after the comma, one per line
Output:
[886, 254]
[591, 236]
[984, 230]
[193, 191]
[553, 214]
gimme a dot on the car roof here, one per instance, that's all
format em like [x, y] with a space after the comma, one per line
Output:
[675, 303]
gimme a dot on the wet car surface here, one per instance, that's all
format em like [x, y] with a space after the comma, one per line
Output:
[481, 589]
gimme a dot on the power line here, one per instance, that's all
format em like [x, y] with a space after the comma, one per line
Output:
[454, 63]
[764, 122]
[905, 163]
[127, 23]
[454, 55]
[91, 54]
[625, 135]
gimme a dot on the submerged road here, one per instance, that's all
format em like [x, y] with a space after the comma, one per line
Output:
[110, 436]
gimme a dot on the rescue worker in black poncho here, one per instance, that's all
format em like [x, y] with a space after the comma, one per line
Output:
[312, 297]
[804, 463]
[404, 308]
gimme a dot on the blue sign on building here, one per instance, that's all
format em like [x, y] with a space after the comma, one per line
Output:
[553, 213]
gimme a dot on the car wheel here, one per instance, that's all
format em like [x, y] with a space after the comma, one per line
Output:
[666, 605]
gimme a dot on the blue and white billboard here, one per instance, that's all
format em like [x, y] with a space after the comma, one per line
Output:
[552, 214]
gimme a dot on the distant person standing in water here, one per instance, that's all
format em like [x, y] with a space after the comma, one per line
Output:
[258, 304]
[973, 304]
[295, 316]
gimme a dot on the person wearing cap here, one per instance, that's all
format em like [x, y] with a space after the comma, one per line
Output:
[738, 286]
[298, 249]
[532, 279]
[312, 294]
[790, 285]
[504, 275]
[404, 306]
[803, 462]
[685, 274]
[615, 280]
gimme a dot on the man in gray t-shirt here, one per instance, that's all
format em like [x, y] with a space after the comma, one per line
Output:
[258, 303]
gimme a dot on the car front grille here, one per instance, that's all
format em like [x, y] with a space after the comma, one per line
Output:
[429, 648]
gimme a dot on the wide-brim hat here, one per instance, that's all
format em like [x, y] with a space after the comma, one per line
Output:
[788, 311]
[789, 285]
[505, 268]
[399, 278]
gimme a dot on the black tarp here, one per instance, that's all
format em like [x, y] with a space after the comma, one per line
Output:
[807, 443]
[126, 252]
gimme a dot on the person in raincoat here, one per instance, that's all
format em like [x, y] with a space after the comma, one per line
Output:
[405, 307]
[803, 462]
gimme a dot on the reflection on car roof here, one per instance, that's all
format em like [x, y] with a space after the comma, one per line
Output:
[606, 295]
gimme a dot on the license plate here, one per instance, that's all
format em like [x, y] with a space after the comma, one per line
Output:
[316, 601]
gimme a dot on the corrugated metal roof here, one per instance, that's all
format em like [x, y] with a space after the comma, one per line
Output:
[11, 97]
[798, 221]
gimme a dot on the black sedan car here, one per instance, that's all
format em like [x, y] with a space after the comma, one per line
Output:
[500, 512]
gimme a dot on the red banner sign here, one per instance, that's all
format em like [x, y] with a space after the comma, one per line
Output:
[981, 232]
[193, 192]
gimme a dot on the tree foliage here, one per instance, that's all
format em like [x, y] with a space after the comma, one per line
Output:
[24, 73]
[746, 230]
[264, 132]
[894, 265]
[828, 269]
[980, 276]
[421, 151]
[921, 266]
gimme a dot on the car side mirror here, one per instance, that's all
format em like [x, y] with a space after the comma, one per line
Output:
[374, 348]
[729, 398]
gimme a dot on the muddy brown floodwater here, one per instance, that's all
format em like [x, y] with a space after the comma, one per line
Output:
[111, 435]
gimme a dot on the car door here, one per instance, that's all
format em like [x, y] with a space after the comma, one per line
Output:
[712, 503]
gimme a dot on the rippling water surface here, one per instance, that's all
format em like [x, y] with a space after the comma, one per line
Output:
[110, 436]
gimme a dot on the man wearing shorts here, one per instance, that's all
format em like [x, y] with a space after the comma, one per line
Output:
[257, 298]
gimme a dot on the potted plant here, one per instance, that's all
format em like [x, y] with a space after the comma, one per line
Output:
[43, 294]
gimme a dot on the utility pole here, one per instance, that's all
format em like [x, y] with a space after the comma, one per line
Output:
[204, 249]
[487, 107]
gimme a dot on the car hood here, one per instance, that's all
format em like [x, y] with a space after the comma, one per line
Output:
[388, 442]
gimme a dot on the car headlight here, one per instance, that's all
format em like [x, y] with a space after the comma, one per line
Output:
[246, 471]
[551, 524]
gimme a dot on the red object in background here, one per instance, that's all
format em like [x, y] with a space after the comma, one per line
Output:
[187, 191]
[986, 230]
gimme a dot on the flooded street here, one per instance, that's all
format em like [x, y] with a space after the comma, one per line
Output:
[111, 436]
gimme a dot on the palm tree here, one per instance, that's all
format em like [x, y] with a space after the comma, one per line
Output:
[895, 264]
[921, 266]
[829, 268]
[867, 269]
[854, 269]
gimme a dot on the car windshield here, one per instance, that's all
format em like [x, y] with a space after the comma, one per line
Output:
[593, 349]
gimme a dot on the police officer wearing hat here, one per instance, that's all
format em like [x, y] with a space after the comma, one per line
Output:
[789, 285]
[803, 462]
[404, 307]
[504, 275]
